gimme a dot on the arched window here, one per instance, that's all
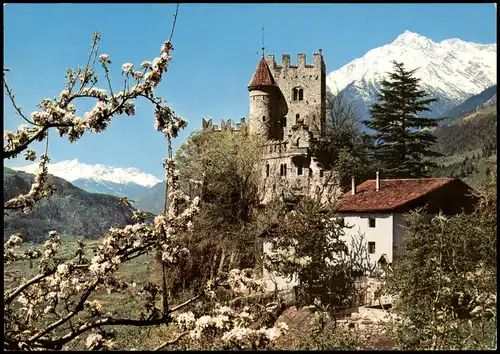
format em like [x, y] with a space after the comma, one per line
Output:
[301, 95]
[295, 94]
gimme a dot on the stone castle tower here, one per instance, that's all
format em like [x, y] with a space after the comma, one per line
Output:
[287, 108]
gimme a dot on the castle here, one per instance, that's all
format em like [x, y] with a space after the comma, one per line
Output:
[287, 109]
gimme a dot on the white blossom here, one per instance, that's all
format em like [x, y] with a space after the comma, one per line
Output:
[103, 58]
[128, 68]
[138, 75]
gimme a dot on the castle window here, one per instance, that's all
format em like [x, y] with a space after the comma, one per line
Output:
[297, 94]
[299, 170]
[284, 170]
[281, 170]
[297, 142]
[267, 170]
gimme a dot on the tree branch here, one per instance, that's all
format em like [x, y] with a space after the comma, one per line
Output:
[172, 341]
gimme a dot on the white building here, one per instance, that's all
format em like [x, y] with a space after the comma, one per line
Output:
[375, 209]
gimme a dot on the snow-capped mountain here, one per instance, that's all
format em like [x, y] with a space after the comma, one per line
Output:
[130, 182]
[451, 70]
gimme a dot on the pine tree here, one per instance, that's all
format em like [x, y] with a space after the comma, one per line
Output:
[403, 140]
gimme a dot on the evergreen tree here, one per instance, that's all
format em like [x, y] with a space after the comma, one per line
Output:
[403, 140]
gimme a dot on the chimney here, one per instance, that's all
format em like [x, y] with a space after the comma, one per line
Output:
[377, 183]
[353, 186]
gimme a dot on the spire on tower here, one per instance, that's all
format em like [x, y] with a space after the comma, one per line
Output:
[263, 42]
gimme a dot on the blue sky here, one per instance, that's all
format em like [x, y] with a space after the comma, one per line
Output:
[217, 49]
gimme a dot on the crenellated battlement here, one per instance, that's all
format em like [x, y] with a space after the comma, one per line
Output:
[301, 61]
[226, 125]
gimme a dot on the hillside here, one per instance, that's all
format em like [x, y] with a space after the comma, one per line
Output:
[471, 104]
[469, 146]
[70, 210]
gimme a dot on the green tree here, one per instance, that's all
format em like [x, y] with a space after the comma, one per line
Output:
[224, 168]
[307, 243]
[402, 140]
[342, 147]
[444, 288]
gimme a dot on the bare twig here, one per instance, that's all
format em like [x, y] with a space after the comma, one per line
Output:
[173, 25]
[17, 108]
[178, 307]
[171, 341]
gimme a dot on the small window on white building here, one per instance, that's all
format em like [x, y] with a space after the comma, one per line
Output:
[371, 222]
[371, 247]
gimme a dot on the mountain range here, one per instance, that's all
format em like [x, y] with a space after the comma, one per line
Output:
[130, 182]
[451, 70]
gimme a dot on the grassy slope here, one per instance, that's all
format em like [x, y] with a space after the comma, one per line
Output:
[466, 136]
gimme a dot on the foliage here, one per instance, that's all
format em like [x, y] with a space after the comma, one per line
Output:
[223, 233]
[445, 286]
[342, 147]
[229, 166]
[402, 139]
[307, 243]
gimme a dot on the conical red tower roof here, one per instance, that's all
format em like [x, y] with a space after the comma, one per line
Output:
[262, 76]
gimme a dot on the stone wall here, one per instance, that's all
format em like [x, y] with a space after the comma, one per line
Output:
[311, 79]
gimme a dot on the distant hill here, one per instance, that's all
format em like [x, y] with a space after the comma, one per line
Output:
[153, 201]
[471, 104]
[70, 210]
[469, 146]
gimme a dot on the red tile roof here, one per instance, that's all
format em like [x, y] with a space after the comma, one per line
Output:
[393, 194]
[262, 76]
